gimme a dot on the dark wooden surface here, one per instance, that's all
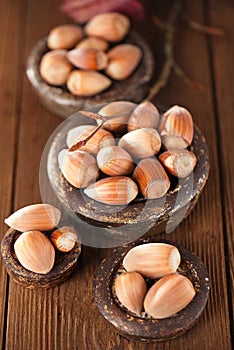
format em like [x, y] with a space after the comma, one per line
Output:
[65, 317]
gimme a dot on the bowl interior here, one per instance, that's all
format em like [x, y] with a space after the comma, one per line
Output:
[181, 194]
[61, 102]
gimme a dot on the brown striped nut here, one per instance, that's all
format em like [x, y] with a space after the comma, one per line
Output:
[55, 67]
[100, 139]
[168, 296]
[141, 143]
[145, 115]
[179, 163]
[116, 190]
[92, 42]
[177, 121]
[35, 252]
[130, 288]
[40, 217]
[111, 26]
[152, 260]
[79, 168]
[90, 59]
[87, 83]
[65, 36]
[123, 60]
[151, 178]
[64, 239]
[114, 160]
[118, 108]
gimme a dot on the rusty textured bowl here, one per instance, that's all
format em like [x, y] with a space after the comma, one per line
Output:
[61, 102]
[140, 216]
[142, 328]
[65, 264]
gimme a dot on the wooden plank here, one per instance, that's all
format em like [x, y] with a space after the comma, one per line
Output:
[223, 55]
[9, 102]
[202, 232]
[32, 315]
[65, 317]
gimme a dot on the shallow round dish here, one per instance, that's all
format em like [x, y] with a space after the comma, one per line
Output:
[149, 329]
[64, 266]
[61, 102]
[140, 216]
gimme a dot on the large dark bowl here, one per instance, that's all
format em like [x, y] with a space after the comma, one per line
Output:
[140, 216]
[60, 101]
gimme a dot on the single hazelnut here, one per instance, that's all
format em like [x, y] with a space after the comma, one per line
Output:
[55, 67]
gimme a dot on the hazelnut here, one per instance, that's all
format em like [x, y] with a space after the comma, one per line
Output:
[55, 67]
[65, 36]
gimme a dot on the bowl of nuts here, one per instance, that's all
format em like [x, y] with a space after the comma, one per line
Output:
[151, 290]
[127, 168]
[38, 251]
[76, 67]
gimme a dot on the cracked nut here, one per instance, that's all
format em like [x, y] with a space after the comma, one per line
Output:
[64, 239]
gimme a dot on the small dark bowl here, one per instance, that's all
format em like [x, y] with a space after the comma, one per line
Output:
[65, 264]
[61, 102]
[140, 216]
[149, 329]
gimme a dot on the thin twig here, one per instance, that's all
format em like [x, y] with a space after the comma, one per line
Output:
[180, 72]
[83, 142]
[170, 65]
[162, 79]
[76, 146]
[201, 28]
[158, 22]
[169, 29]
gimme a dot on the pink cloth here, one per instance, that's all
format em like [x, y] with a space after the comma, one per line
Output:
[82, 10]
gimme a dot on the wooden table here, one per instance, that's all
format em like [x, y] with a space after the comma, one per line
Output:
[65, 317]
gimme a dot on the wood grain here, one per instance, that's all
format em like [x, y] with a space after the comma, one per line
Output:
[9, 114]
[30, 313]
[223, 90]
[66, 317]
[203, 232]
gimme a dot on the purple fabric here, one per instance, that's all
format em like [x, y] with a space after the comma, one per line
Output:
[82, 10]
